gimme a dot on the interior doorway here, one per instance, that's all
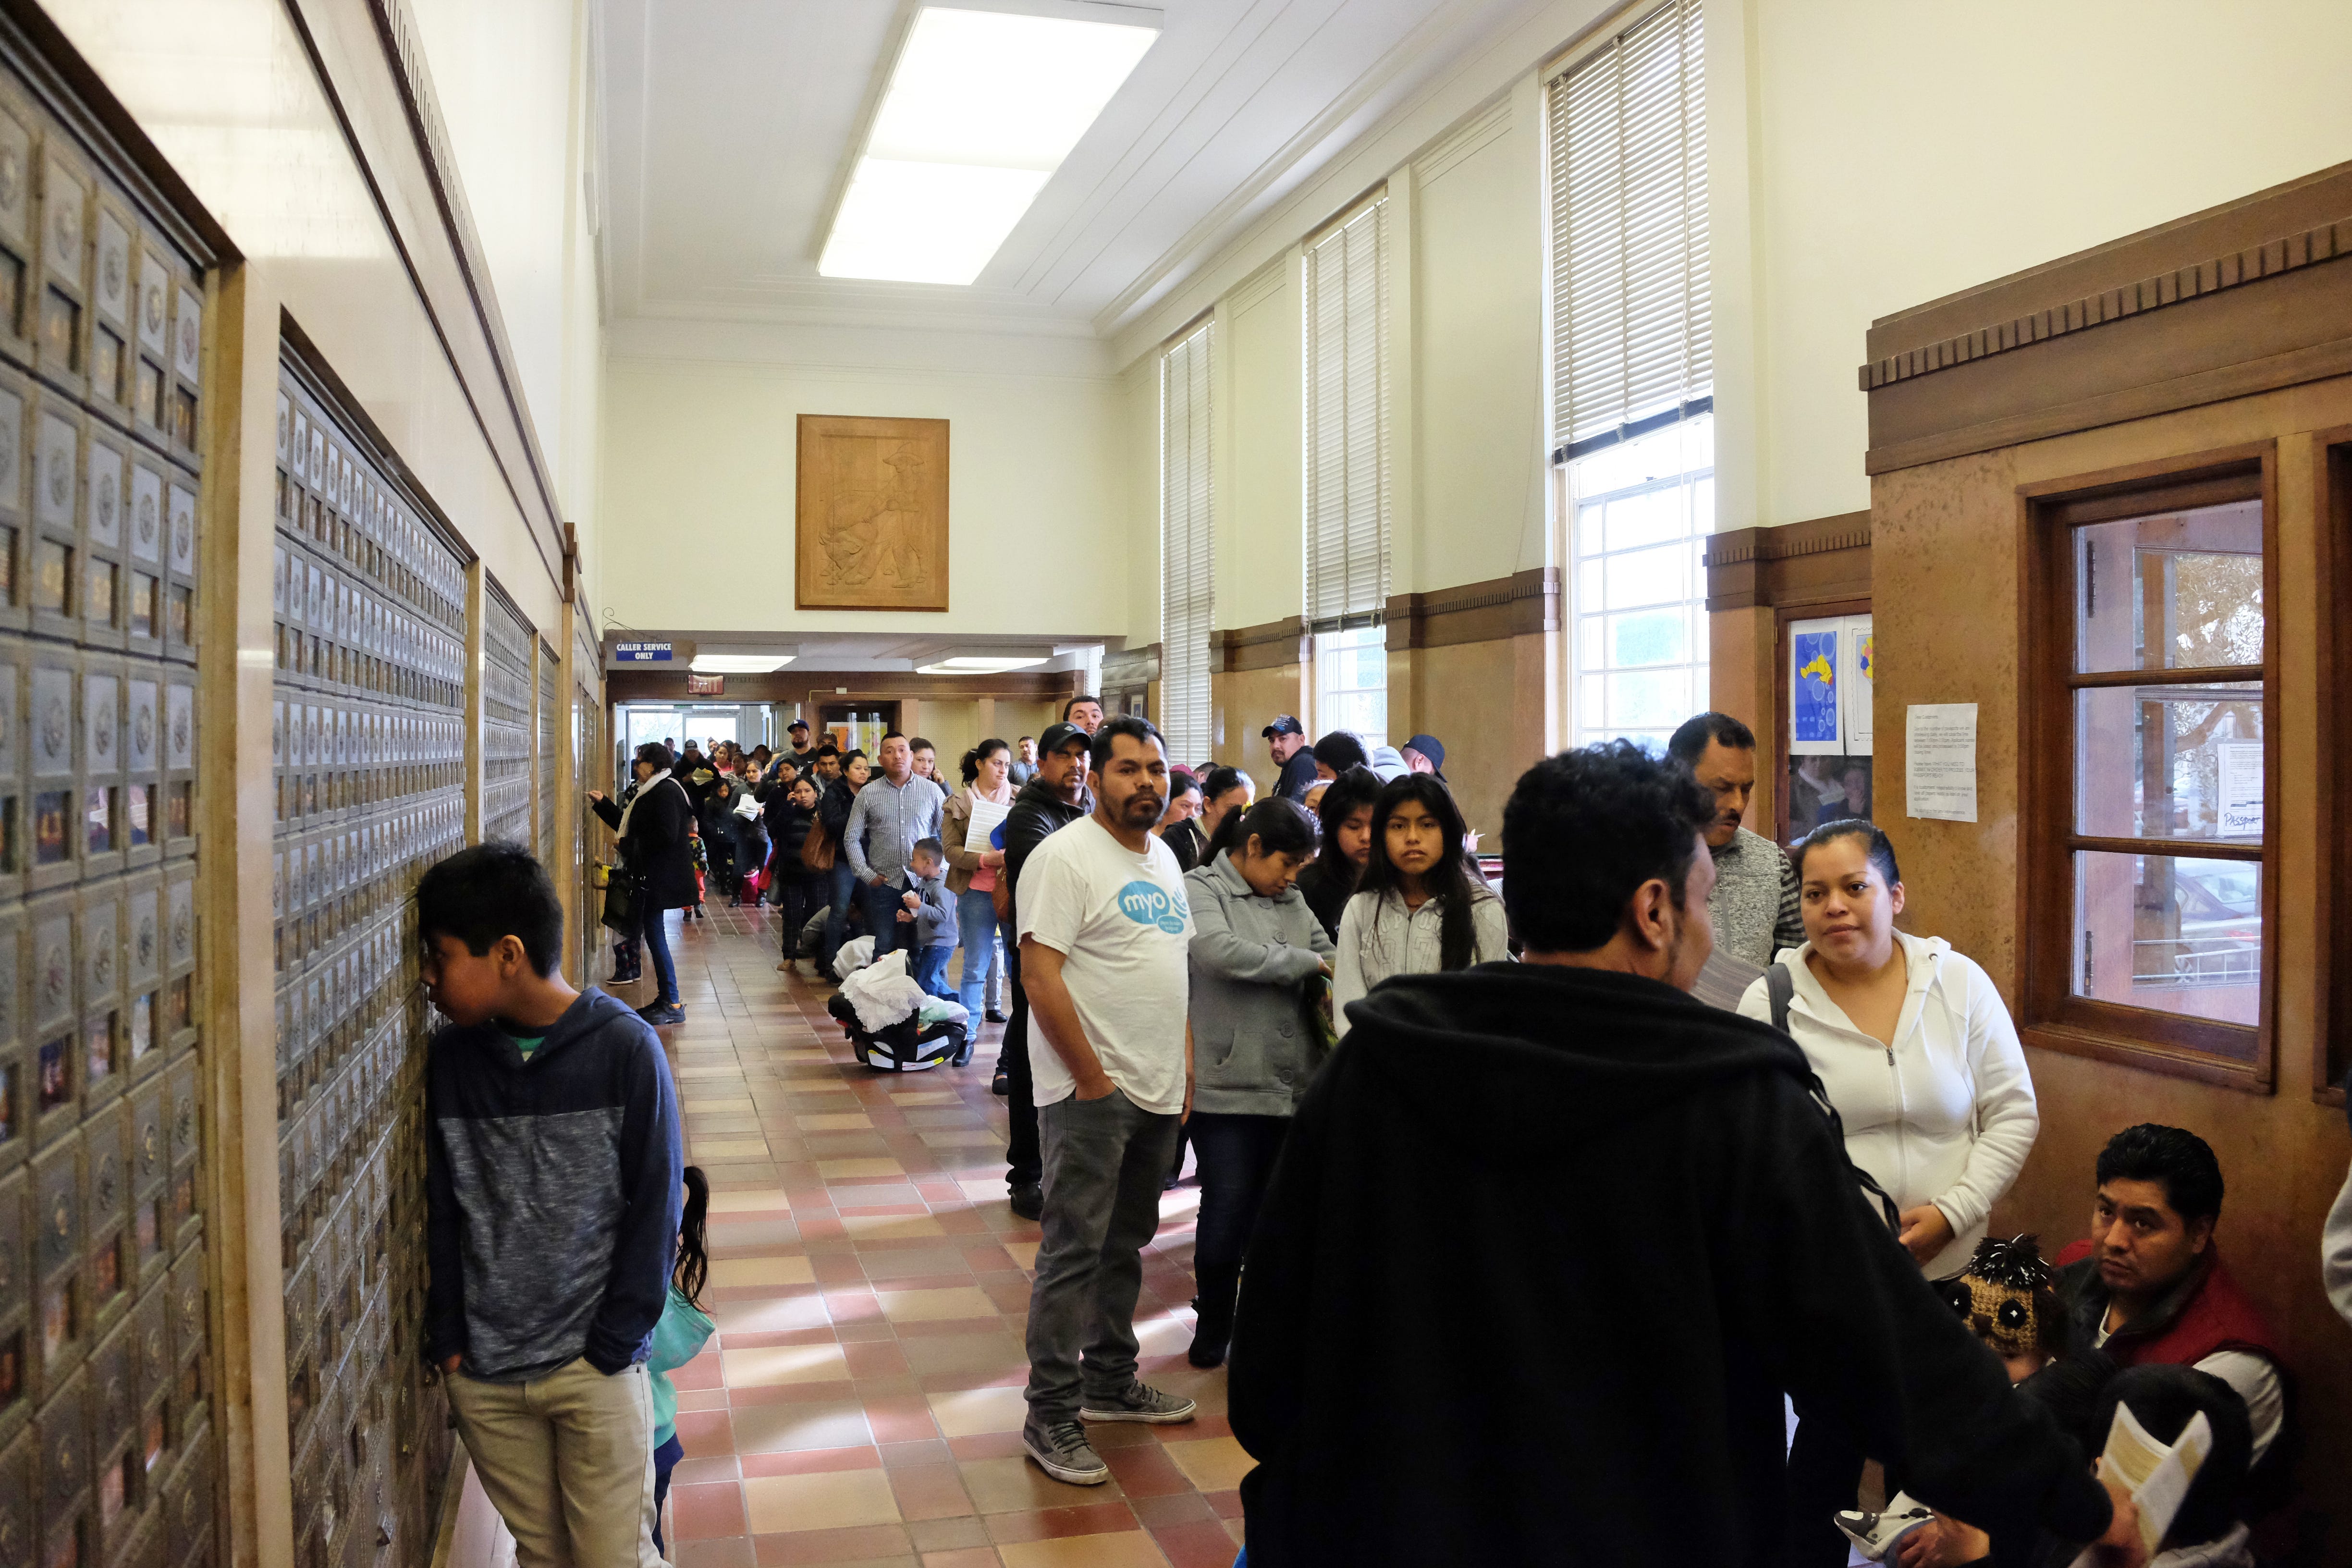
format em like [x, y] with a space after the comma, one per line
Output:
[857, 726]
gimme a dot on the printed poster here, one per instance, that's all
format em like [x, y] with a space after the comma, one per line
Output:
[2241, 801]
[1815, 727]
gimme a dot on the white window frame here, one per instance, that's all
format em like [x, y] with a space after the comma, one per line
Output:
[1187, 552]
[1593, 668]
[1345, 399]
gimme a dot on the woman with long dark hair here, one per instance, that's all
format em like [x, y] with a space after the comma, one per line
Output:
[653, 830]
[1418, 909]
[832, 813]
[1225, 793]
[1330, 880]
[973, 870]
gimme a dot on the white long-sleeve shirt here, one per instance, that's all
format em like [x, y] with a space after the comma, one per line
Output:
[2336, 1252]
[1943, 1116]
[1380, 937]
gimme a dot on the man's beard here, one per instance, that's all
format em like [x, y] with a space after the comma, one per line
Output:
[1142, 810]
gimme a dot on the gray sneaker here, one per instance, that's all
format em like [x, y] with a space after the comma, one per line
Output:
[1061, 1451]
[1138, 1402]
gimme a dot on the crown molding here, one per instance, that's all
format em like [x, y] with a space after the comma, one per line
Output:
[831, 348]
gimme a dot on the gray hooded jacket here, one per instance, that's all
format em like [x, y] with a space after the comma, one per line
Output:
[1253, 1051]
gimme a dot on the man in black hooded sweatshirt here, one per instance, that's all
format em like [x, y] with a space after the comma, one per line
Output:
[1549, 1242]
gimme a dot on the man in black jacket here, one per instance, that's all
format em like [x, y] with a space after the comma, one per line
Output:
[1541, 1304]
[1054, 798]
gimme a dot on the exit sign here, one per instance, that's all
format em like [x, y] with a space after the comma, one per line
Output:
[706, 685]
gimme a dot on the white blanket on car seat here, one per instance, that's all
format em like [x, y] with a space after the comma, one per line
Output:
[882, 991]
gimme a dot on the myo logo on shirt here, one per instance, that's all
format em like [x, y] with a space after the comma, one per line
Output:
[1149, 904]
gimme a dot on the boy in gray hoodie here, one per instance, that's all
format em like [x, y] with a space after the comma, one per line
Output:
[931, 910]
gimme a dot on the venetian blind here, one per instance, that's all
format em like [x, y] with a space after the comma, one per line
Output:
[1633, 346]
[1347, 422]
[1187, 591]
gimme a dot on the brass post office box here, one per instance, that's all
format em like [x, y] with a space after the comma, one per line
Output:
[181, 626]
[179, 805]
[16, 446]
[105, 500]
[16, 244]
[151, 401]
[110, 375]
[59, 346]
[145, 530]
[15, 825]
[52, 582]
[188, 1499]
[19, 1459]
[105, 1060]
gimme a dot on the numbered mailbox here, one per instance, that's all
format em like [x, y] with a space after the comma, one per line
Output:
[58, 1307]
[179, 785]
[105, 1062]
[52, 582]
[112, 1399]
[15, 823]
[150, 1323]
[99, 839]
[180, 999]
[17, 439]
[152, 405]
[188, 1500]
[184, 1104]
[181, 555]
[146, 530]
[151, 1143]
[19, 1482]
[106, 1178]
[187, 363]
[140, 824]
[18, 237]
[190, 1329]
[143, 974]
[112, 276]
[19, 1086]
[105, 494]
[61, 344]
[56, 1065]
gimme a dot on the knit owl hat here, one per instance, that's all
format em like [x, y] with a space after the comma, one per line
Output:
[2005, 1297]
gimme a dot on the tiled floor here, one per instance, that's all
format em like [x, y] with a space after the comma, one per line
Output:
[862, 1401]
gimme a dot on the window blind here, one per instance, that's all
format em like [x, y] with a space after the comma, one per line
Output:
[1632, 348]
[1186, 590]
[1347, 423]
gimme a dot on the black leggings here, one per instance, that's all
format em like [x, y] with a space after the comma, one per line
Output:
[1236, 1154]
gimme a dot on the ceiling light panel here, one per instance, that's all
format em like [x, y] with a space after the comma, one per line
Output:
[982, 108]
[975, 664]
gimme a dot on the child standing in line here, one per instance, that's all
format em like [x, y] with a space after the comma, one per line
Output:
[679, 1336]
[552, 1159]
[931, 910]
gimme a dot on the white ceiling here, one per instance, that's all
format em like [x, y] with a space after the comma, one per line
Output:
[729, 126]
[877, 651]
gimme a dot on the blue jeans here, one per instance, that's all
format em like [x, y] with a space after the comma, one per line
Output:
[930, 971]
[657, 946]
[839, 883]
[882, 906]
[983, 970]
[665, 1458]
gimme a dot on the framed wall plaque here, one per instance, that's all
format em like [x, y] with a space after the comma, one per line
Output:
[873, 514]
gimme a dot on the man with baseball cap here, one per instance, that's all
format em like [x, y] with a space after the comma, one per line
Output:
[1286, 737]
[1055, 797]
[1426, 754]
[802, 752]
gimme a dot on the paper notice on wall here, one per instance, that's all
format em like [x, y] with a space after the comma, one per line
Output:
[1858, 648]
[2240, 798]
[1939, 761]
[1814, 728]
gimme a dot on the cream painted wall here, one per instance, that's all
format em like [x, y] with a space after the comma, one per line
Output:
[1903, 153]
[698, 495]
[1477, 325]
[1260, 559]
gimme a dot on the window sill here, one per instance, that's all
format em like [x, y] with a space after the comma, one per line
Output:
[2169, 1061]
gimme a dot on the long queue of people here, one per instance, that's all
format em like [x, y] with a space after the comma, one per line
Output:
[1674, 1130]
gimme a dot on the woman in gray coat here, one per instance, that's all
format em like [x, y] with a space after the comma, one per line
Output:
[1259, 959]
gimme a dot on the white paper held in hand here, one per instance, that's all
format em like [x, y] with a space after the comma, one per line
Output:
[2156, 1474]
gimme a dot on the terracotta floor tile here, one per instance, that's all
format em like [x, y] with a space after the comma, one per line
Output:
[890, 1226]
[828, 1499]
[1017, 1486]
[930, 1306]
[785, 1363]
[1047, 1524]
[811, 1461]
[1214, 1464]
[727, 1273]
[799, 1424]
[930, 1491]
[725, 1552]
[701, 1513]
[1204, 1545]
[969, 1412]
[969, 1557]
[1126, 1550]
[967, 1533]
[868, 1546]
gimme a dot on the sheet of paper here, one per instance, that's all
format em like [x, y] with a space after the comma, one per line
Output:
[2241, 794]
[1858, 646]
[1814, 728]
[1939, 761]
[2157, 1477]
[986, 815]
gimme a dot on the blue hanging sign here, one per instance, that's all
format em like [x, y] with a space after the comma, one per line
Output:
[642, 652]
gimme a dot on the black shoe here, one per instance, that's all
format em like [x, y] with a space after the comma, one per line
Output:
[660, 1014]
[1207, 1350]
[1002, 1083]
[993, 1017]
[1027, 1201]
[963, 1057]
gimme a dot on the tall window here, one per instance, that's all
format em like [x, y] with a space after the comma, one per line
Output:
[1633, 373]
[1187, 591]
[1347, 471]
[2150, 848]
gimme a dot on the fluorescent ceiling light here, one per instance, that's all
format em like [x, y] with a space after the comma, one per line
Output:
[982, 108]
[978, 665]
[738, 663]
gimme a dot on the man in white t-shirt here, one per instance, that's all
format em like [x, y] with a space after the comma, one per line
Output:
[1105, 933]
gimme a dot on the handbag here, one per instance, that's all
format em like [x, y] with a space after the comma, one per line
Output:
[624, 900]
[820, 848]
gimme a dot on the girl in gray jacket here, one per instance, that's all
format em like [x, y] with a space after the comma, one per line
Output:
[1259, 959]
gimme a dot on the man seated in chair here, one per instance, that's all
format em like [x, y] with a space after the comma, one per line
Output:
[2148, 1286]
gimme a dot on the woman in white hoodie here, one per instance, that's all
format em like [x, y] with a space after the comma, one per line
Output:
[1917, 1052]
